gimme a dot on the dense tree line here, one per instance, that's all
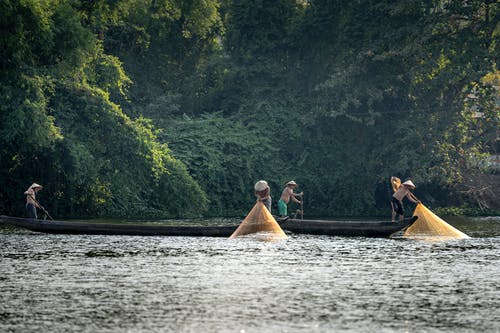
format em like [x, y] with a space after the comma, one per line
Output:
[175, 108]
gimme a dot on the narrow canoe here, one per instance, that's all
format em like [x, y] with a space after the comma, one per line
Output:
[314, 227]
[347, 228]
[65, 227]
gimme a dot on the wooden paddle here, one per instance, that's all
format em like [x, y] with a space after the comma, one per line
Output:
[42, 208]
[302, 206]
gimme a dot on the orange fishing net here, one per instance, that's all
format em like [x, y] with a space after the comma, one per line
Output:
[429, 225]
[260, 222]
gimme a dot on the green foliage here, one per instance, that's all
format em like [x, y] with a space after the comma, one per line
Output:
[106, 71]
[258, 28]
[224, 155]
[25, 121]
[338, 95]
[161, 43]
[26, 129]
[465, 211]
[26, 37]
[117, 162]
[60, 128]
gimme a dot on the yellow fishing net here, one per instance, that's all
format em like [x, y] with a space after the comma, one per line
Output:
[432, 227]
[260, 222]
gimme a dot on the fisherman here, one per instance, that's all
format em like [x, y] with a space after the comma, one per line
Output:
[31, 203]
[263, 193]
[286, 195]
[397, 199]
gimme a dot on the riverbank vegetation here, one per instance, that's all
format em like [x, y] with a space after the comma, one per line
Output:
[146, 108]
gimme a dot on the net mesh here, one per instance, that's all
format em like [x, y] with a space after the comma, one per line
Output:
[260, 222]
[430, 225]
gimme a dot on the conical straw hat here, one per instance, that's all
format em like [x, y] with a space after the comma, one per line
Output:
[261, 185]
[32, 187]
[409, 183]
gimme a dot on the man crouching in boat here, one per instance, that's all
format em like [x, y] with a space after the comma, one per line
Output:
[397, 199]
[286, 195]
[31, 203]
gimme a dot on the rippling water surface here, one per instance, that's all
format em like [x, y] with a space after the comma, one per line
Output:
[71, 283]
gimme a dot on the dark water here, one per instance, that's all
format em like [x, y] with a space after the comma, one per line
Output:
[73, 283]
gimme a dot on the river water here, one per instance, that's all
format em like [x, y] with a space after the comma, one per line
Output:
[80, 283]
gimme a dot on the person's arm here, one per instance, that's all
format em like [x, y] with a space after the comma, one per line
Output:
[412, 198]
[295, 195]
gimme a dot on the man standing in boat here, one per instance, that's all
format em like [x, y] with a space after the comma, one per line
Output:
[286, 195]
[263, 193]
[31, 203]
[397, 199]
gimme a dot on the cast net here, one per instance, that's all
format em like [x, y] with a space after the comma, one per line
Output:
[429, 225]
[261, 223]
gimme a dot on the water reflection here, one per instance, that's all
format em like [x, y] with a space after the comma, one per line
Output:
[62, 283]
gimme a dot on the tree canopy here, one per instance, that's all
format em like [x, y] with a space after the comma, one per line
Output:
[170, 108]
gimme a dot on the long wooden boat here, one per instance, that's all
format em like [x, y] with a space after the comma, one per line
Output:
[347, 228]
[65, 227]
[314, 227]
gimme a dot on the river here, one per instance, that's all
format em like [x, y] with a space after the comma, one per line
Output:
[80, 283]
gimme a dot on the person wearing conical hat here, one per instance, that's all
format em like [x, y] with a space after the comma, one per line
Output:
[397, 199]
[286, 195]
[263, 193]
[31, 203]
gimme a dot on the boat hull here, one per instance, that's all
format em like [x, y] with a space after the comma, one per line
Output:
[347, 228]
[313, 227]
[64, 227]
